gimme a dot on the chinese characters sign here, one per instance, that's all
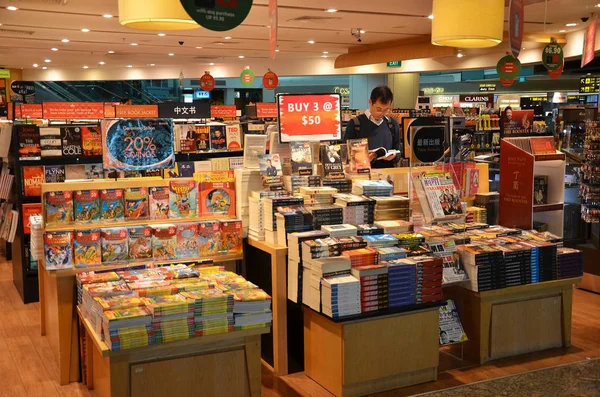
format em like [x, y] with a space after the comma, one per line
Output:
[181, 110]
[427, 144]
[516, 187]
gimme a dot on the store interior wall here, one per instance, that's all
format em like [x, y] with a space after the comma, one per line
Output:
[405, 87]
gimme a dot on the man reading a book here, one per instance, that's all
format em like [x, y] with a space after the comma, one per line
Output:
[380, 130]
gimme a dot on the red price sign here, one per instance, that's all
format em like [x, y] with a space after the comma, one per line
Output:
[73, 110]
[266, 110]
[227, 111]
[207, 82]
[28, 111]
[309, 117]
[270, 80]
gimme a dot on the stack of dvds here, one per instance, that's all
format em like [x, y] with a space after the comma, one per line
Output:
[213, 311]
[172, 317]
[127, 328]
[251, 309]
[357, 209]
[316, 269]
[270, 205]
[429, 285]
[326, 215]
[342, 185]
[295, 268]
[517, 264]
[373, 287]
[395, 226]
[570, 263]
[484, 265]
[372, 188]
[344, 230]
[368, 230]
[392, 208]
[381, 241]
[362, 256]
[340, 296]
[391, 253]
[402, 282]
[321, 195]
[293, 183]
[351, 242]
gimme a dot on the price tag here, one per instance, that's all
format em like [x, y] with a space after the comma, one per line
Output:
[553, 56]
[313, 117]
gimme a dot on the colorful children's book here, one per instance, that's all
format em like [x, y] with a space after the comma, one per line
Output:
[33, 177]
[164, 241]
[112, 205]
[114, 244]
[159, 202]
[231, 236]
[217, 193]
[136, 203]
[140, 242]
[87, 248]
[58, 250]
[91, 141]
[209, 238]
[183, 199]
[59, 207]
[86, 205]
[54, 173]
[187, 240]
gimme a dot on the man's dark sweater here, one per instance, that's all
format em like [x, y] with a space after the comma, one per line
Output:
[378, 136]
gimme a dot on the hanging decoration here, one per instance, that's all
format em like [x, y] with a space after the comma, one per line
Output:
[159, 15]
[217, 15]
[508, 68]
[553, 56]
[247, 77]
[270, 80]
[506, 83]
[558, 72]
[516, 21]
[273, 28]
[207, 82]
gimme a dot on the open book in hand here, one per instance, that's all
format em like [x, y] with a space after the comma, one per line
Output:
[382, 152]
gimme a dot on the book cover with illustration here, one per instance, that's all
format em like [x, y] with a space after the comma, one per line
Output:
[114, 244]
[112, 205]
[217, 137]
[54, 173]
[301, 160]
[540, 189]
[28, 137]
[71, 141]
[140, 242]
[94, 171]
[209, 238]
[91, 141]
[28, 210]
[87, 248]
[331, 158]
[136, 203]
[187, 240]
[231, 236]
[233, 133]
[183, 199]
[217, 193]
[58, 250]
[33, 177]
[164, 241]
[86, 205]
[271, 171]
[202, 137]
[159, 202]
[441, 194]
[358, 154]
[152, 172]
[58, 208]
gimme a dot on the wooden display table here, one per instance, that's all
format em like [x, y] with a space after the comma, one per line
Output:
[356, 358]
[516, 320]
[215, 365]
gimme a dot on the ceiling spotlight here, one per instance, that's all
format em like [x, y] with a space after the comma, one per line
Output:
[111, 52]
[47, 60]
[86, 67]
[227, 37]
[101, 63]
[241, 57]
[311, 42]
[562, 31]
[65, 40]
[54, 49]
[430, 16]
[571, 25]
[133, 44]
[362, 31]
[460, 55]
[198, 48]
[84, 30]
[523, 48]
[129, 66]
[12, 8]
[44, 67]
[35, 65]
[325, 52]
[162, 34]
[276, 50]
[212, 64]
[152, 64]
[171, 54]
[324, 56]
[107, 15]
[331, 10]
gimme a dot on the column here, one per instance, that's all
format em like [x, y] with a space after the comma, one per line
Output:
[229, 96]
[405, 87]
[268, 95]
[361, 86]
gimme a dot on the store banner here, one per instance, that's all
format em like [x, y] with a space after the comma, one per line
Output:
[109, 111]
[589, 42]
[182, 110]
[73, 110]
[266, 110]
[270, 80]
[218, 15]
[514, 123]
[136, 111]
[487, 99]
[28, 111]
[516, 21]
[137, 144]
[508, 68]
[207, 82]
[223, 111]
[427, 143]
[516, 187]
[273, 28]
[309, 117]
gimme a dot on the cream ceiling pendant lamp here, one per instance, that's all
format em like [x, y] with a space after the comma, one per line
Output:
[467, 23]
[155, 15]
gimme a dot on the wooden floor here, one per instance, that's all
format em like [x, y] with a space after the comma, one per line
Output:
[28, 368]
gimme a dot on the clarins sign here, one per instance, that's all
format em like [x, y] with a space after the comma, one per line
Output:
[487, 99]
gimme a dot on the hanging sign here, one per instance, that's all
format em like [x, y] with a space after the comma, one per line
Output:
[137, 144]
[554, 74]
[270, 80]
[508, 67]
[309, 117]
[136, 111]
[589, 85]
[23, 87]
[516, 21]
[553, 56]
[222, 112]
[273, 28]
[73, 110]
[207, 82]
[28, 111]
[506, 83]
[487, 99]
[217, 15]
[181, 110]
[247, 78]
[589, 43]
[4, 74]
[266, 110]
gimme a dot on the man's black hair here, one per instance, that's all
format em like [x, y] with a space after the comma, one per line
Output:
[382, 94]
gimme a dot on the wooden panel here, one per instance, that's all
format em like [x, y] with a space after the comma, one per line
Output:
[367, 357]
[590, 282]
[100, 372]
[218, 374]
[525, 326]
[390, 383]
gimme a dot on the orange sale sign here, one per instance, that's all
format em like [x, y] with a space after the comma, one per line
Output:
[309, 117]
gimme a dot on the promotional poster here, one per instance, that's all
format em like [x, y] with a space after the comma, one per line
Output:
[514, 123]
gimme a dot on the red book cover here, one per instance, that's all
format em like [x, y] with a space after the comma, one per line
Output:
[28, 210]
[231, 236]
[543, 145]
[91, 138]
[33, 177]
[217, 193]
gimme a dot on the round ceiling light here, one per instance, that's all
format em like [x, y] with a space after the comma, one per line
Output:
[158, 15]
[481, 27]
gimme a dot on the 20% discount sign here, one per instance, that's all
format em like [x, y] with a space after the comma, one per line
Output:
[310, 115]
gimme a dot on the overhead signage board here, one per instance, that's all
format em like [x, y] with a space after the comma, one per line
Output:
[589, 85]
[589, 42]
[223, 112]
[487, 87]
[487, 99]
[266, 110]
[516, 22]
[73, 110]
[136, 111]
[28, 111]
[181, 110]
[309, 117]
[394, 64]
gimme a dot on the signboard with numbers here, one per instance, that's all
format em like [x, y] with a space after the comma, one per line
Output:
[309, 117]
[553, 56]
[181, 110]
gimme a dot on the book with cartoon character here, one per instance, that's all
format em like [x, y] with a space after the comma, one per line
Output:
[159, 203]
[58, 250]
[86, 205]
[231, 236]
[209, 238]
[217, 193]
[183, 199]
[136, 203]
[187, 240]
[164, 241]
[140, 242]
[87, 248]
[58, 208]
[112, 205]
[114, 244]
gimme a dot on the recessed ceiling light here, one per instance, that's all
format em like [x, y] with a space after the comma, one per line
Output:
[331, 10]
[152, 64]
[311, 42]
[129, 66]
[276, 50]
[460, 55]
[363, 31]
[111, 52]
[86, 67]
[47, 60]
[241, 57]
[12, 8]
[198, 48]
[523, 48]
[101, 63]
[227, 37]
[84, 30]
[35, 65]
[54, 49]
[562, 31]
[324, 56]
[325, 52]
[571, 24]
[212, 64]
[162, 34]
[44, 67]
[430, 16]
[171, 54]
[134, 44]
[268, 26]
[65, 40]
[107, 15]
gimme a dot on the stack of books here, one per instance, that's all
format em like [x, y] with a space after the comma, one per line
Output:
[326, 215]
[290, 220]
[213, 311]
[476, 214]
[251, 309]
[391, 253]
[373, 287]
[172, 317]
[344, 230]
[517, 264]
[256, 228]
[295, 267]
[314, 271]
[293, 183]
[340, 296]
[491, 203]
[410, 240]
[402, 283]
[154, 288]
[362, 256]
[485, 267]
[357, 209]
[270, 206]
[381, 240]
[246, 181]
[368, 230]
[320, 248]
[321, 195]
[392, 208]
[372, 187]
[395, 226]
[127, 328]
[429, 286]
[342, 185]
[351, 242]
[570, 263]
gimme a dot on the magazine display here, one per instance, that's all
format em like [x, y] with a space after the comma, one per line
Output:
[453, 271]
[442, 196]
[451, 330]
